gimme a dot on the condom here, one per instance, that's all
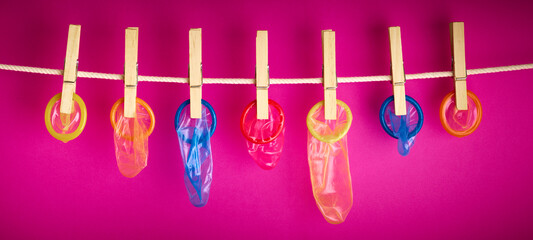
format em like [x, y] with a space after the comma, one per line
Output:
[327, 154]
[404, 128]
[65, 127]
[131, 136]
[460, 123]
[264, 137]
[194, 138]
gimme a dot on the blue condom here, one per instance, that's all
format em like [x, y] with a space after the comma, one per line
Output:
[194, 137]
[404, 128]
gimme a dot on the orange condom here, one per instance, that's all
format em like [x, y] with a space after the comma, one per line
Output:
[131, 136]
[460, 123]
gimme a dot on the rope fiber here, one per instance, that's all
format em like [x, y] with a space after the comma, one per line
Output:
[379, 78]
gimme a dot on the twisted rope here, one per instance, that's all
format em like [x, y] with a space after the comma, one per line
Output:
[379, 78]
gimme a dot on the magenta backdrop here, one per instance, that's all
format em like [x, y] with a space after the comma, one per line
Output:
[479, 186]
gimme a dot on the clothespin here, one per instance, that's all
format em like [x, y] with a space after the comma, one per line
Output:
[71, 69]
[457, 32]
[262, 74]
[329, 74]
[195, 72]
[397, 71]
[131, 71]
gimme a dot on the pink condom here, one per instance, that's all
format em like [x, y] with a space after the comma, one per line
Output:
[131, 137]
[327, 153]
[264, 137]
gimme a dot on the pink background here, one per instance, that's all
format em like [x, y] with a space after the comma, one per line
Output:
[479, 186]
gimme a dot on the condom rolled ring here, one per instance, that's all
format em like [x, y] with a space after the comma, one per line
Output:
[331, 138]
[401, 127]
[460, 123]
[144, 105]
[276, 133]
[52, 123]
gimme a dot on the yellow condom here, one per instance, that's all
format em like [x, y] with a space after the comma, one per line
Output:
[327, 153]
[65, 127]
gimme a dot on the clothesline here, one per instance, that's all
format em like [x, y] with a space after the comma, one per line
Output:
[110, 76]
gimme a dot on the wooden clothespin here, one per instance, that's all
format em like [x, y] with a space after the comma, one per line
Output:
[71, 69]
[195, 72]
[457, 32]
[131, 71]
[262, 76]
[397, 71]
[329, 74]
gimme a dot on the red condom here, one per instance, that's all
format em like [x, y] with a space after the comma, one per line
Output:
[265, 136]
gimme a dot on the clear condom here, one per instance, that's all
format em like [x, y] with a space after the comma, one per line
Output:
[460, 123]
[264, 137]
[65, 127]
[131, 136]
[405, 127]
[327, 154]
[194, 138]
